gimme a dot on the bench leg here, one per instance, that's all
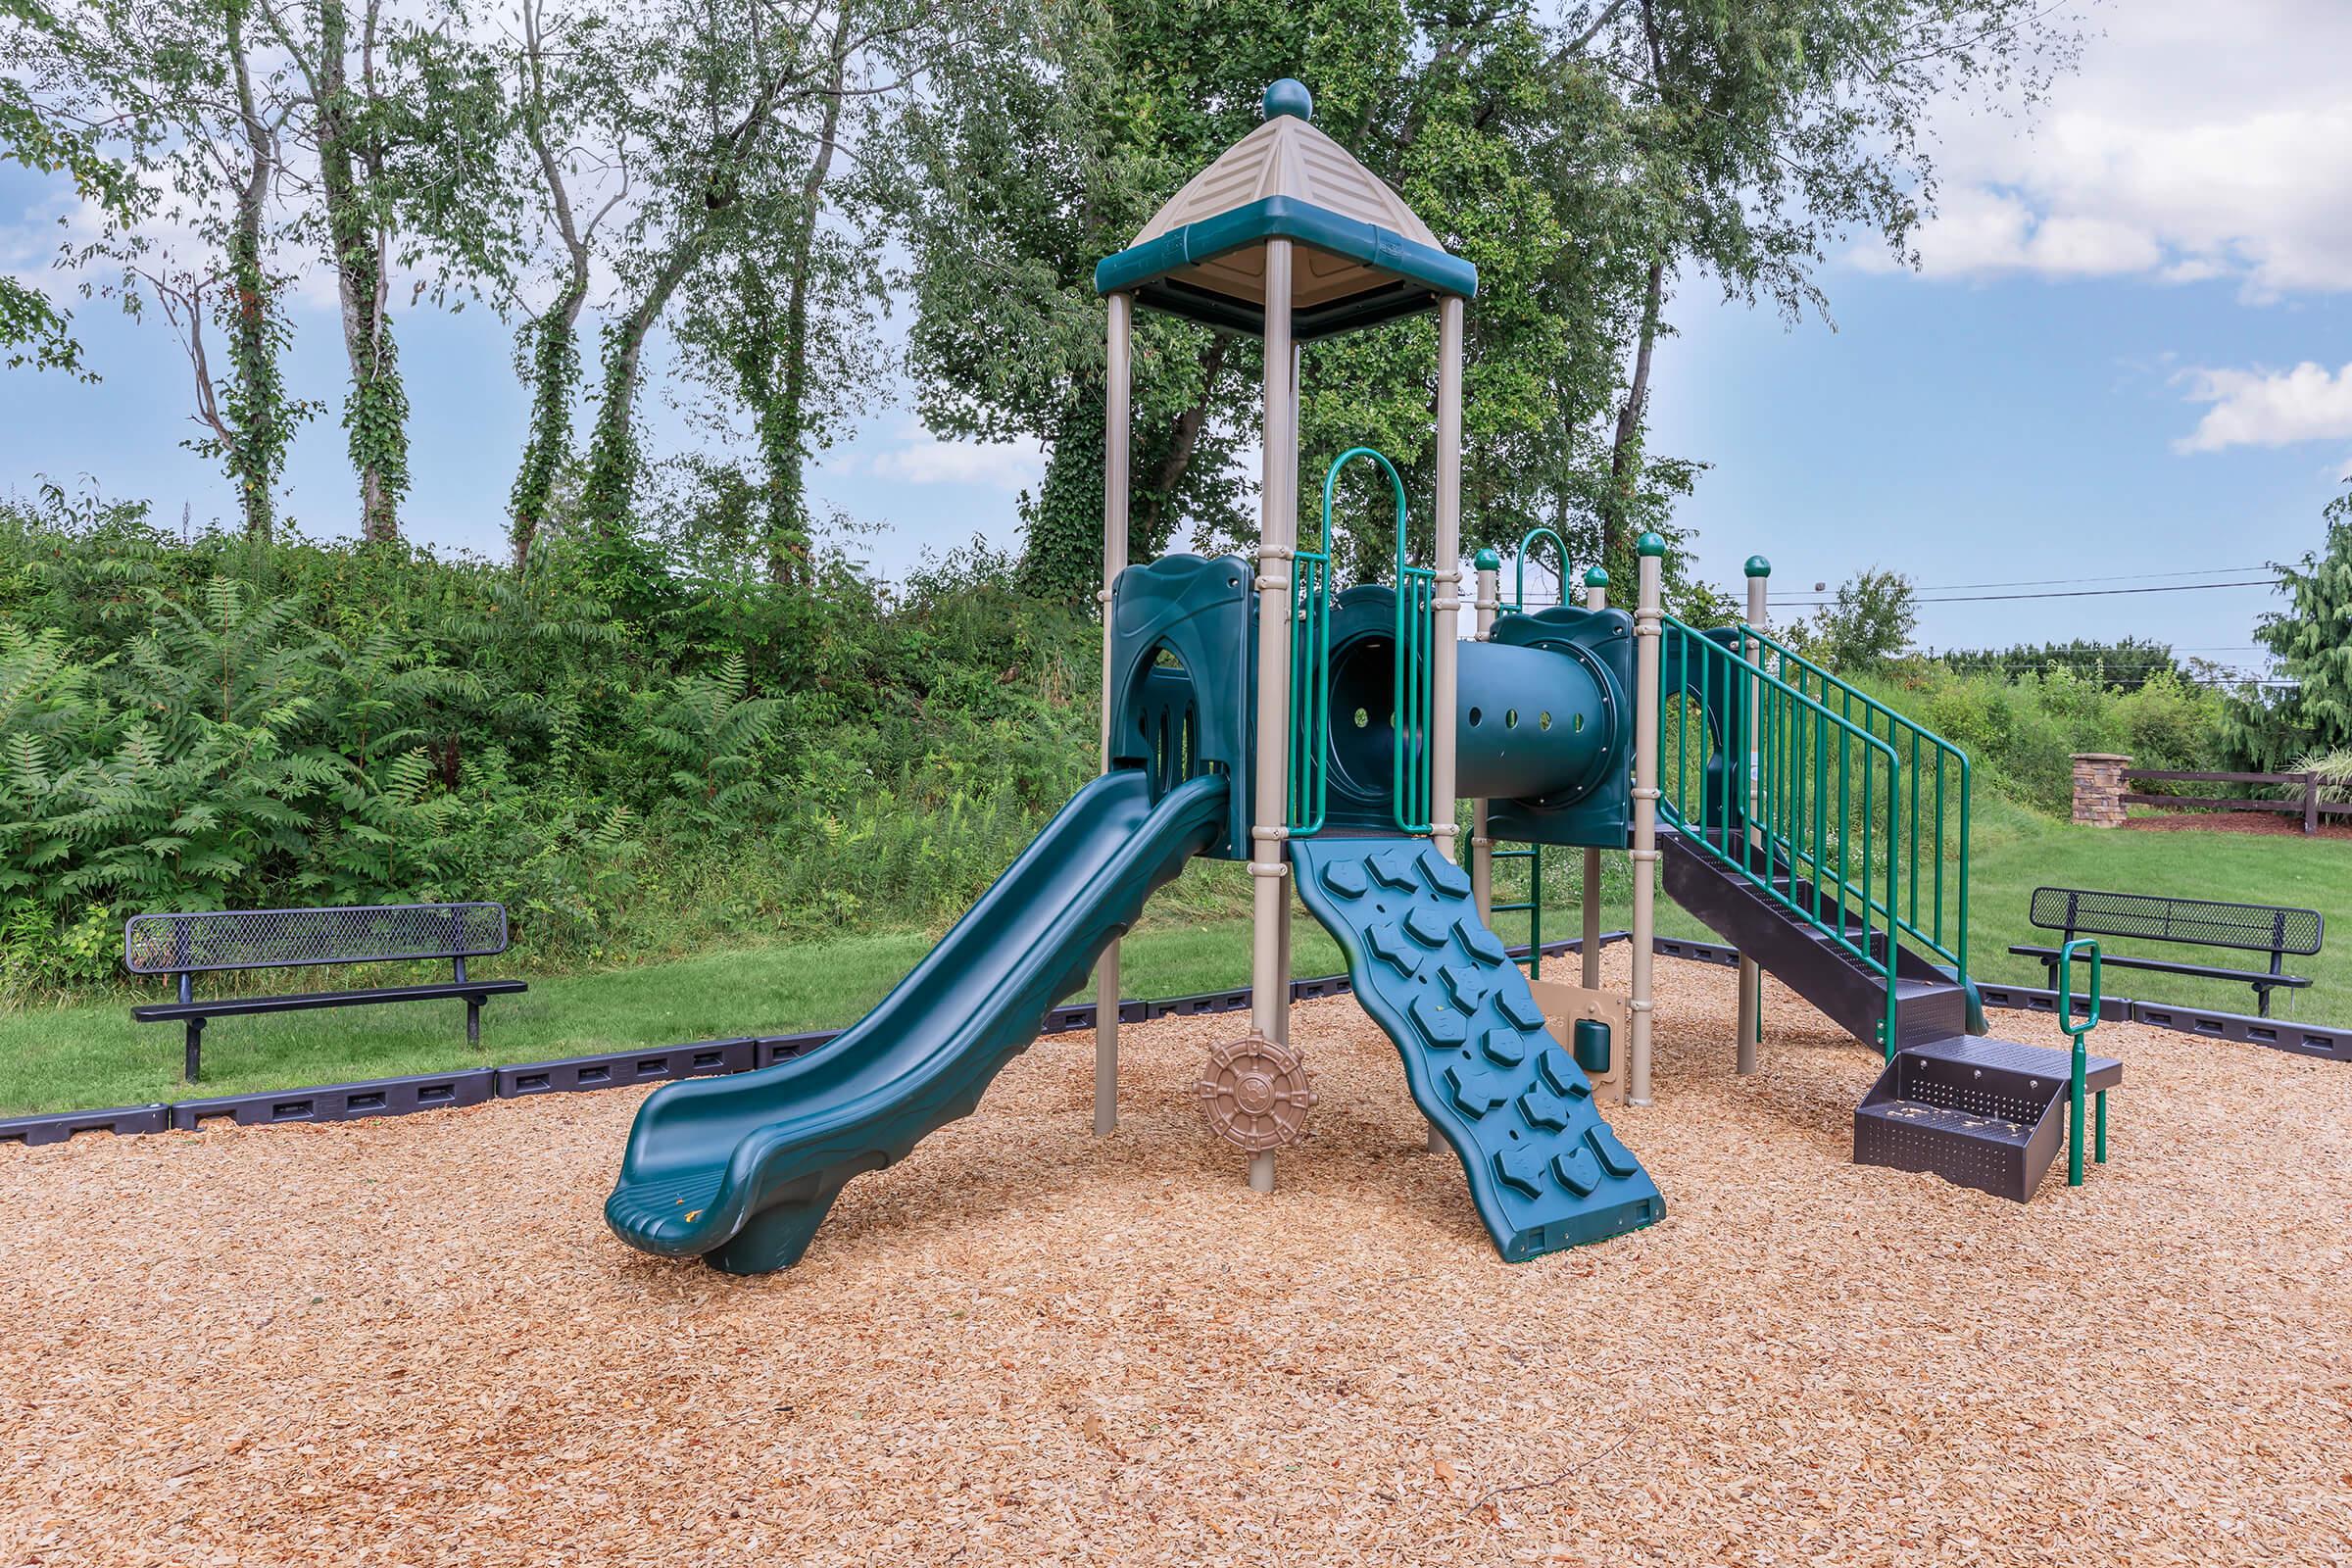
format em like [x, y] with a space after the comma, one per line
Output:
[2102, 1126]
[473, 1021]
[2262, 996]
[193, 1067]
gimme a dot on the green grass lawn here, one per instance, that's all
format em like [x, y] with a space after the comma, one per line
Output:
[57, 1058]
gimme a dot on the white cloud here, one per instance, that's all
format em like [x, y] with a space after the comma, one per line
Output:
[2197, 141]
[2269, 408]
[921, 457]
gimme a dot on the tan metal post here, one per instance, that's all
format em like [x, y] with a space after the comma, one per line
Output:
[1116, 420]
[1751, 974]
[1447, 602]
[1277, 543]
[1647, 633]
[1597, 596]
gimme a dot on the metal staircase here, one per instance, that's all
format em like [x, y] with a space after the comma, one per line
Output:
[1826, 836]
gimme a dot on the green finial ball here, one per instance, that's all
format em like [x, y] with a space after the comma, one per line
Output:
[1289, 96]
[1487, 560]
[1595, 578]
[1649, 544]
[1758, 566]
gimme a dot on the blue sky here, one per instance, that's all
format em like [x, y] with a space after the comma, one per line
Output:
[2128, 352]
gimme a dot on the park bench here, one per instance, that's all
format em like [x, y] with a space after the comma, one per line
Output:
[2200, 922]
[184, 946]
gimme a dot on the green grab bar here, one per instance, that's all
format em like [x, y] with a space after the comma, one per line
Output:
[1526, 545]
[1416, 605]
[2079, 1068]
[1308, 793]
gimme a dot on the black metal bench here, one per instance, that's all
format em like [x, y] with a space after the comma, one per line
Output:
[185, 946]
[2202, 922]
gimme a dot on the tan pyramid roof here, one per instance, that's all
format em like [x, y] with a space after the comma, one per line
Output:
[1287, 156]
[1359, 256]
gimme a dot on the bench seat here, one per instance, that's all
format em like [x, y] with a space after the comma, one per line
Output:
[2260, 979]
[233, 1007]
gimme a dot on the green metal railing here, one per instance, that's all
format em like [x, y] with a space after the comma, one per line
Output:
[1775, 783]
[2079, 1066]
[1935, 786]
[1416, 682]
[1308, 787]
[1533, 905]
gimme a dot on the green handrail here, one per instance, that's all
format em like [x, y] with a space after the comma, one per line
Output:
[1933, 779]
[1826, 814]
[1416, 617]
[2079, 1068]
[1308, 789]
[1527, 546]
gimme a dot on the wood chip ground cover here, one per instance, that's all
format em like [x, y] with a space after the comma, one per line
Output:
[411, 1342]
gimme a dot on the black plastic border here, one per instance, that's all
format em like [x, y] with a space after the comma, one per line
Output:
[374, 1096]
[615, 1069]
[56, 1127]
[612, 1070]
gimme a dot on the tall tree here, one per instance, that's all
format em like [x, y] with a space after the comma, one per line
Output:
[2311, 643]
[783, 320]
[1768, 131]
[49, 138]
[179, 89]
[404, 117]
[573, 105]
[736, 111]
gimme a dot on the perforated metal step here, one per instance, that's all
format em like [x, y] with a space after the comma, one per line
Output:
[1983, 1113]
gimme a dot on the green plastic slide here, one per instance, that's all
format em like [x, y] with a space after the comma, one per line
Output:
[741, 1170]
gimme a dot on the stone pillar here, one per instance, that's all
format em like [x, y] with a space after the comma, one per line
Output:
[2099, 788]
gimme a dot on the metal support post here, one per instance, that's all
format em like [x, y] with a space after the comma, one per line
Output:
[1278, 541]
[1597, 596]
[1116, 437]
[1649, 614]
[1750, 1025]
[1446, 603]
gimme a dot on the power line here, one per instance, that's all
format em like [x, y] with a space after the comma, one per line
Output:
[2126, 576]
[2066, 593]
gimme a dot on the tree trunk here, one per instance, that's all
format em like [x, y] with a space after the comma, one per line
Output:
[612, 456]
[555, 364]
[376, 413]
[255, 397]
[1625, 455]
[787, 443]
[1151, 522]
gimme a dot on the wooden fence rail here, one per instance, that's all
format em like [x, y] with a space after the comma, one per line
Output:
[2310, 807]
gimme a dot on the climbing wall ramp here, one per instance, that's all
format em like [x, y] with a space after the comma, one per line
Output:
[1545, 1170]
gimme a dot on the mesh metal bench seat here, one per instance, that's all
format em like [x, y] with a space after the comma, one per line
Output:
[184, 946]
[2268, 928]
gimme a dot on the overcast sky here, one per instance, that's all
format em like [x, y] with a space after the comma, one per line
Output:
[2128, 352]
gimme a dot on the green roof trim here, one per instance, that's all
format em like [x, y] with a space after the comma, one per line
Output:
[1420, 273]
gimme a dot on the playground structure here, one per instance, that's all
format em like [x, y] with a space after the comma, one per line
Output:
[1324, 738]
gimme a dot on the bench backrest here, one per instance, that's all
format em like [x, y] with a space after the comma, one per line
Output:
[272, 939]
[2250, 928]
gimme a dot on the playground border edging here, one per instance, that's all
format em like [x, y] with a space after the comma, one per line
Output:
[2320, 1040]
[611, 1069]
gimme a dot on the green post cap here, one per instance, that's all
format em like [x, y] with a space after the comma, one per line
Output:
[1595, 578]
[1758, 566]
[1649, 544]
[1487, 560]
[1289, 96]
